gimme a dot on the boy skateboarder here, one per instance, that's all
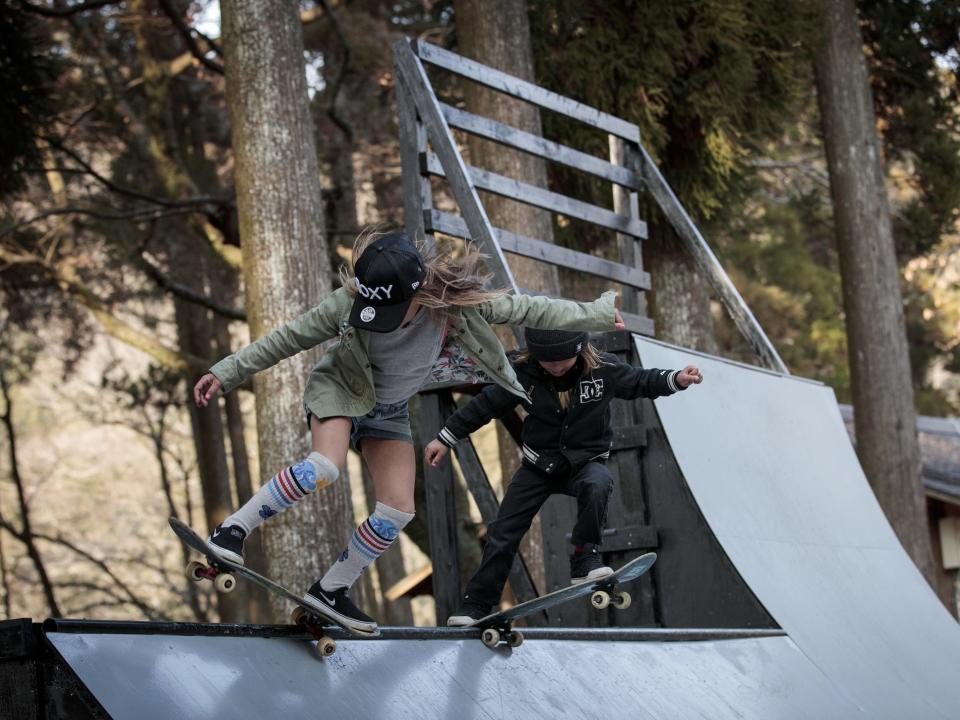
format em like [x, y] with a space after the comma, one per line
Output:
[566, 443]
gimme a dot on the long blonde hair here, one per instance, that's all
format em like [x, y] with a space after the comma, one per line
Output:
[589, 356]
[449, 281]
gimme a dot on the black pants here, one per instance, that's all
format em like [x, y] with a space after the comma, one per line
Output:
[591, 485]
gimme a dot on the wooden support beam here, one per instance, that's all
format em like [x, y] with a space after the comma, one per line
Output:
[525, 90]
[539, 147]
[425, 100]
[707, 262]
[538, 197]
[448, 224]
[632, 537]
[417, 193]
[441, 514]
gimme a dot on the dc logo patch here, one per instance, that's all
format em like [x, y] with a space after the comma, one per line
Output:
[591, 391]
[368, 314]
[344, 555]
[266, 512]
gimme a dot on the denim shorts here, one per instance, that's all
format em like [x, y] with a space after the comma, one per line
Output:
[389, 422]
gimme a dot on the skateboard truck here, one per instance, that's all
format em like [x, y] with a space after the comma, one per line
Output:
[222, 580]
[326, 645]
[491, 636]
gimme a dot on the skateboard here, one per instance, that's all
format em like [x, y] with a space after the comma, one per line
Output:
[222, 573]
[499, 625]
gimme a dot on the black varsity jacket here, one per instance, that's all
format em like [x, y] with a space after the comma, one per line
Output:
[554, 438]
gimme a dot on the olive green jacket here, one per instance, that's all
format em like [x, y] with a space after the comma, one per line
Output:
[342, 382]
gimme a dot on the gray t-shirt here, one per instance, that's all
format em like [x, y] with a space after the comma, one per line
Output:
[401, 360]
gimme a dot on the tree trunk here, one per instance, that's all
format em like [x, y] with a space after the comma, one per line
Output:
[285, 262]
[497, 34]
[886, 435]
[258, 598]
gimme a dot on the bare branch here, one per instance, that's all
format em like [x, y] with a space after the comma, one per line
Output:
[186, 293]
[110, 185]
[186, 33]
[133, 215]
[338, 83]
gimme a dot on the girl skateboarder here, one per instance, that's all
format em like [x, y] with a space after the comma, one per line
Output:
[402, 321]
[566, 443]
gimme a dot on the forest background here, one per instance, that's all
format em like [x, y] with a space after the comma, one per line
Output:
[122, 275]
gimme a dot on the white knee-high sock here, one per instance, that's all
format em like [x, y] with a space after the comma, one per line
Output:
[370, 540]
[284, 490]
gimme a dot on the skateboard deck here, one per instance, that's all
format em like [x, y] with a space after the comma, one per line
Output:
[499, 625]
[221, 571]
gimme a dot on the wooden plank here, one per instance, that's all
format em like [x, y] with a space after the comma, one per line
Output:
[540, 147]
[479, 485]
[439, 221]
[704, 258]
[629, 252]
[630, 537]
[538, 197]
[628, 437]
[615, 341]
[428, 108]
[441, 515]
[524, 90]
[417, 193]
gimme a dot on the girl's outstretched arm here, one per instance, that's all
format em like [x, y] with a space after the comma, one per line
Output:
[542, 312]
[313, 327]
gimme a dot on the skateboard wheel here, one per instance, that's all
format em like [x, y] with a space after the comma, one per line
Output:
[490, 637]
[326, 646]
[298, 616]
[225, 582]
[195, 570]
[622, 601]
[515, 639]
[600, 599]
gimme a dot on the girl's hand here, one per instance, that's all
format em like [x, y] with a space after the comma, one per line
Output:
[205, 389]
[689, 375]
[434, 452]
[618, 323]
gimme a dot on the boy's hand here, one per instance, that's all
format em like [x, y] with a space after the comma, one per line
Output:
[434, 452]
[205, 389]
[689, 375]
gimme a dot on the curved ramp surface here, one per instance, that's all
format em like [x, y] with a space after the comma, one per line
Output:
[769, 462]
[241, 678]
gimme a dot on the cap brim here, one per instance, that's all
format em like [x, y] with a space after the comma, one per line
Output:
[385, 318]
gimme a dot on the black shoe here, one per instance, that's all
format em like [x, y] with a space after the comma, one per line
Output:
[335, 605]
[587, 565]
[227, 542]
[467, 614]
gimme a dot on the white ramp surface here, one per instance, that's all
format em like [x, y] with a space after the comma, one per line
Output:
[769, 462]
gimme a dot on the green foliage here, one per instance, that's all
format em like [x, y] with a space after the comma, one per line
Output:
[913, 46]
[705, 81]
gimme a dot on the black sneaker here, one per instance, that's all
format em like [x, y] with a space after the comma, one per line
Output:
[587, 565]
[467, 614]
[335, 605]
[227, 542]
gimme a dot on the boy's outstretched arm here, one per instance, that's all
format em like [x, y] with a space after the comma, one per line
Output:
[492, 402]
[632, 382]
